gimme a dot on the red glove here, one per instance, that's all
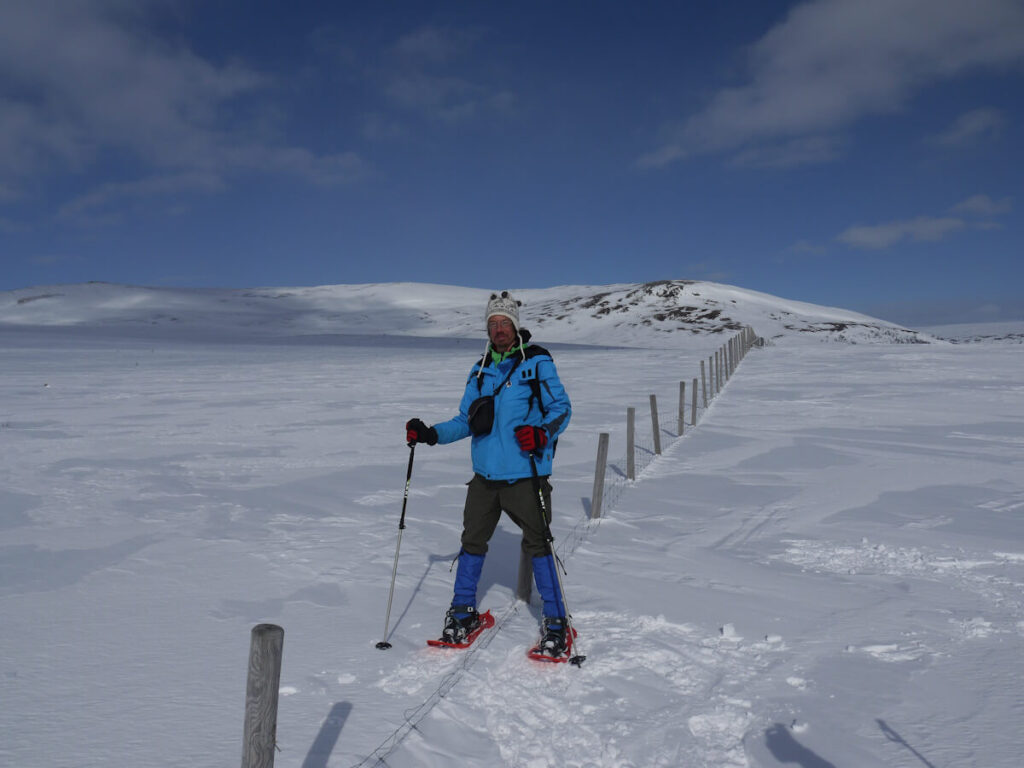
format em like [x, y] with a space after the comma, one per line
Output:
[532, 439]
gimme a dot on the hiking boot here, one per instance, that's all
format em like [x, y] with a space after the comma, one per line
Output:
[456, 629]
[553, 642]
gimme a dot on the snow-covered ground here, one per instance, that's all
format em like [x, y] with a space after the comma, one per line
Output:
[828, 569]
[1011, 332]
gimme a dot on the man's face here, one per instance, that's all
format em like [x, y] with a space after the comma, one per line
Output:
[501, 332]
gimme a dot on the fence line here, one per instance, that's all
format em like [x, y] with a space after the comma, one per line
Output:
[618, 475]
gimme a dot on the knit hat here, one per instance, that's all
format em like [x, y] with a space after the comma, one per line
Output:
[504, 305]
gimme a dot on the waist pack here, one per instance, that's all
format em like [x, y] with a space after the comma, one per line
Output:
[481, 410]
[481, 415]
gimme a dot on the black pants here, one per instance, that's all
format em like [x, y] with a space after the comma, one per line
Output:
[485, 500]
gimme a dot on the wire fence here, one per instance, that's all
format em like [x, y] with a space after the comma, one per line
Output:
[696, 396]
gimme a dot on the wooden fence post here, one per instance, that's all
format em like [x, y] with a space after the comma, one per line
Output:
[654, 425]
[693, 409]
[259, 739]
[631, 443]
[682, 407]
[703, 384]
[602, 461]
[524, 584]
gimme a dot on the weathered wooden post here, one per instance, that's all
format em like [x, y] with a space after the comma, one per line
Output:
[259, 739]
[654, 425]
[524, 584]
[693, 409]
[682, 407]
[602, 461]
[711, 376]
[631, 443]
[703, 384]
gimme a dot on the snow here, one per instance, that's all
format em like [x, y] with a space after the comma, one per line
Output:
[828, 569]
[655, 315]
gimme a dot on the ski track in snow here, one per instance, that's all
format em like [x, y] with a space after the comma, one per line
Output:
[621, 708]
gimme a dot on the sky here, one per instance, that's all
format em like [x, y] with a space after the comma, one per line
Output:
[863, 154]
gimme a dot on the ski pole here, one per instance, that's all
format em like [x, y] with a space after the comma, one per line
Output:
[384, 644]
[579, 658]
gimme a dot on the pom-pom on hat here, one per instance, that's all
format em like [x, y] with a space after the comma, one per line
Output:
[504, 305]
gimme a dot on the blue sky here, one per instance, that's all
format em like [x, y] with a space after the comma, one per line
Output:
[857, 153]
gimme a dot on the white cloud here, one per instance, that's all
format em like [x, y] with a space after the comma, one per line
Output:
[431, 93]
[972, 126]
[879, 236]
[380, 127]
[88, 78]
[665, 155]
[802, 247]
[983, 205]
[809, 150]
[105, 201]
[423, 76]
[975, 212]
[830, 63]
[433, 44]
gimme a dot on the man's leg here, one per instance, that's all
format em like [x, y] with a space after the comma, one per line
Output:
[520, 502]
[479, 519]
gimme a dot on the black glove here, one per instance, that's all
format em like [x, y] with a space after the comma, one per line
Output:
[418, 432]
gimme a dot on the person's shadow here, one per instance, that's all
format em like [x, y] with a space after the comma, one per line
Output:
[786, 749]
[501, 567]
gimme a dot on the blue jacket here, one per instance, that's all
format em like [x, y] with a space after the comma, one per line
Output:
[496, 455]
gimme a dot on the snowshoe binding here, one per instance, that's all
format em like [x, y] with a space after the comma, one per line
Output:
[556, 643]
[462, 625]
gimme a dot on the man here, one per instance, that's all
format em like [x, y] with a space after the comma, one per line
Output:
[530, 410]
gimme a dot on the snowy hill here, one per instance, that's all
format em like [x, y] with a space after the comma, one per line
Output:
[664, 314]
